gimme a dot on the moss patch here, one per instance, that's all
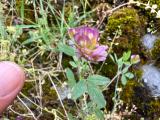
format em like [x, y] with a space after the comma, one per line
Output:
[156, 50]
[130, 28]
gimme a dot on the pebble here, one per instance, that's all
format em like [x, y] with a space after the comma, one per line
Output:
[148, 40]
[151, 78]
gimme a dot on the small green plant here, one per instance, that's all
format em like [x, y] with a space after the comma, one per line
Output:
[38, 44]
[89, 86]
[123, 74]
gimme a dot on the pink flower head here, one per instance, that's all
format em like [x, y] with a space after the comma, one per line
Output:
[135, 59]
[86, 42]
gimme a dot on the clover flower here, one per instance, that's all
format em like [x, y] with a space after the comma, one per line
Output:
[87, 43]
[135, 59]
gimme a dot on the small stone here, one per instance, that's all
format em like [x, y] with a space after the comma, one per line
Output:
[148, 40]
[151, 78]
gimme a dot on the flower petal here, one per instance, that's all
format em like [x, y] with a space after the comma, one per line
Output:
[71, 32]
[100, 50]
[100, 54]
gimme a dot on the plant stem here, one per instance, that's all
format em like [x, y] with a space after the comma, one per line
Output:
[58, 96]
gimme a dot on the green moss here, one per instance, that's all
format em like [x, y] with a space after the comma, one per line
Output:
[154, 108]
[130, 27]
[156, 50]
[135, 94]
[27, 88]
[137, 72]
[127, 18]
[128, 92]
[130, 89]
[49, 95]
[108, 69]
[28, 11]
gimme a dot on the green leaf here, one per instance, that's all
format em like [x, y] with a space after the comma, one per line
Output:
[120, 62]
[30, 40]
[26, 26]
[66, 49]
[79, 89]
[123, 80]
[126, 55]
[70, 77]
[112, 58]
[99, 114]
[71, 117]
[125, 69]
[127, 63]
[73, 64]
[98, 80]
[115, 56]
[22, 10]
[129, 75]
[90, 106]
[96, 95]
[75, 58]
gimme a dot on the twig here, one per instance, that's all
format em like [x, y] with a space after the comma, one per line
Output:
[27, 108]
[91, 69]
[110, 48]
[58, 96]
[40, 106]
[24, 115]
